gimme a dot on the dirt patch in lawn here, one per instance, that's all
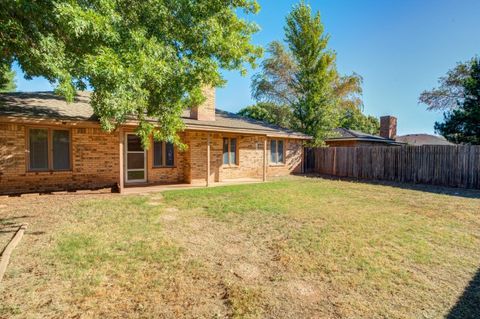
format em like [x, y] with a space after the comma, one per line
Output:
[299, 248]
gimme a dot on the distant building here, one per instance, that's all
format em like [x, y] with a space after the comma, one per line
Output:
[422, 139]
[351, 138]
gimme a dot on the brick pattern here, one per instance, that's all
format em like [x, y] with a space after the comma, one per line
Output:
[293, 159]
[206, 110]
[197, 155]
[166, 175]
[388, 127]
[250, 157]
[96, 160]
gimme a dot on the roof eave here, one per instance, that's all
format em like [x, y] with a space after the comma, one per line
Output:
[212, 128]
[194, 127]
[361, 139]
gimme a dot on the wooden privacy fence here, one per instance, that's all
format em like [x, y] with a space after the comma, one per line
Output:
[457, 166]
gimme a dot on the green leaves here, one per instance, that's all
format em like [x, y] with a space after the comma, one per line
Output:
[7, 79]
[353, 118]
[299, 86]
[143, 60]
[462, 124]
[272, 113]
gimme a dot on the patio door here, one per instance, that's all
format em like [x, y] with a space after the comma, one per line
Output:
[135, 160]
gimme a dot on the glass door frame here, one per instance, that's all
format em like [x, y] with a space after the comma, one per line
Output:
[126, 169]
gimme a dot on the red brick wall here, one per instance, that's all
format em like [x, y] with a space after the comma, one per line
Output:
[250, 157]
[94, 162]
[205, 111]
[293, 159]
[166, 175]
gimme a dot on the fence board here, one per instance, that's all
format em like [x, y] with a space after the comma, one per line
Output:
[456, 166]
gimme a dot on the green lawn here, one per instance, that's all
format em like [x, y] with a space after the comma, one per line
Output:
[294, 248]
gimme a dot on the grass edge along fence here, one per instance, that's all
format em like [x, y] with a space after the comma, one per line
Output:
[454, 166]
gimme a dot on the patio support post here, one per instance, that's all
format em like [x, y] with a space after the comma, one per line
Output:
[208, 160]
[265, 159]
[120, 160]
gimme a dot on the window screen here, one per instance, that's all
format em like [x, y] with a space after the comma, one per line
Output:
[279, 151]
[169, 161]
[61, 149]
[225, 151]
[276, 151]
[38, 140]
[163, 154]
[230, 151]
[273, 151]
[157, 153]
[233, 151]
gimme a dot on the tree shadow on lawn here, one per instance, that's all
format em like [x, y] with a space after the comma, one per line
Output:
[436, 189]
[468, 304]
[11, 224]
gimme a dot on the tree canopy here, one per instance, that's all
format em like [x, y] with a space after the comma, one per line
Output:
[353, 118]
[462, 123]
[450, 91]
[7, 79]
[142, 58]
[302, 84]
[269, 112]
[315, 63]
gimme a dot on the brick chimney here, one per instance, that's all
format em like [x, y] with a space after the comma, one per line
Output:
[206, 110]
[388, 127]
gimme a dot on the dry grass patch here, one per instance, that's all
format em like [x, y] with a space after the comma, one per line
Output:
[293, 248]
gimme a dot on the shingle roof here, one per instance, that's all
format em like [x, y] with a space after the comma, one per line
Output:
[47, 105]
[423, 139]
[344, 134]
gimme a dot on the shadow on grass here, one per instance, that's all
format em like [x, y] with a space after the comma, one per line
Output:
[452, 191]
[468, 305]
[11, 224]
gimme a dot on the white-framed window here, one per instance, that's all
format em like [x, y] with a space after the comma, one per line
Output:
[277, 151]
[230, 151]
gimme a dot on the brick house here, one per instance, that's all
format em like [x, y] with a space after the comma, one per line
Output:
[49, 145]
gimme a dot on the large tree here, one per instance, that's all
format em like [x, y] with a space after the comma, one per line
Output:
[315, 107]
[142, 58]
[353, 118]
[450, 91]
[462, 124]
[269, 112]
[303, 77]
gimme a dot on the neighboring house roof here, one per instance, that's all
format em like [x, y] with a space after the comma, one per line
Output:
[423, 139]
[48, 106]
[343, 134]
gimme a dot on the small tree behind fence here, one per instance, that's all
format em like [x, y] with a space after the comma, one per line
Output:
[457, 166]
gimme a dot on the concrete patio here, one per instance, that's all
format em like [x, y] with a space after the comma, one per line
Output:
[145, 189]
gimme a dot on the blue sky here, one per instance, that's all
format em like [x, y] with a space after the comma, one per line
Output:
[399, 47]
